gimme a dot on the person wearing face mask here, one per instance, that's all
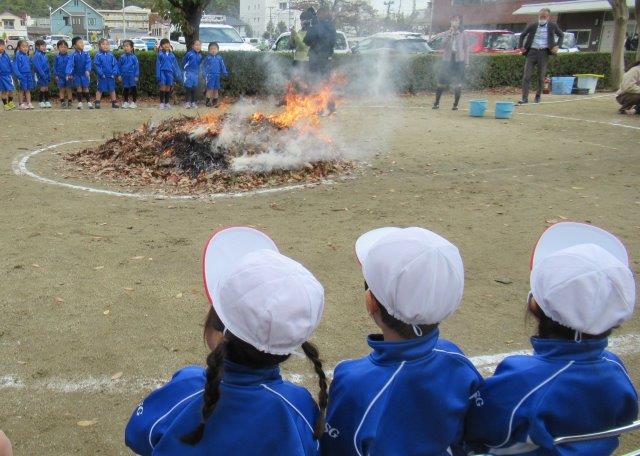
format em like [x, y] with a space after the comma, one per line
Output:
[455, 59]
[538, 41]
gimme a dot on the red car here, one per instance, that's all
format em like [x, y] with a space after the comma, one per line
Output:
[484, 41]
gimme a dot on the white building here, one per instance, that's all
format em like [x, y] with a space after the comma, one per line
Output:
[257, 14]
[160, 28]
[136, 18]
[12, 25]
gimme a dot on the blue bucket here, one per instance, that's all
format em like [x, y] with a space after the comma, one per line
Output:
[504, 109]
[562, 85]
[477, 108]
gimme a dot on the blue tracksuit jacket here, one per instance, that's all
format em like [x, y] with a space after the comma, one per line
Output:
[6, 73]
[214, 67]
[191, 68]
[405, 398]
[167, 70]
[41, 67]
[60, 63]
[22, 70]
[565, 388]
[107, 70]
[258, 413]
[77, 66]
[129, 69]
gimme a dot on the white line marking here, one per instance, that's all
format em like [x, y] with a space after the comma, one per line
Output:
[551, 116]
[19, 166]
[627, 344]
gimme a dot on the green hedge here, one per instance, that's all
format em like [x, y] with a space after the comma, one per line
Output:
[263, 73]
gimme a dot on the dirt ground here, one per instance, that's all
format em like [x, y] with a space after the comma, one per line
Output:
[101, 296]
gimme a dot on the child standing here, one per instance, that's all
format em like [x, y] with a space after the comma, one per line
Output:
[264, 307]
[107, 70]
[191, 65]
[79, 70]
[213, 68]
[581, 288]
[410, 395]
[129, 74]
[22, 71]
[60, 63]
[43, 73]
[6, 79]
[167, 72]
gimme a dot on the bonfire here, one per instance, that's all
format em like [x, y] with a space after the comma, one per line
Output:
[222, 151]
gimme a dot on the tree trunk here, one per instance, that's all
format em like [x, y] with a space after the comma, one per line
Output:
[637, 9]
[620, 18]
[192, 15]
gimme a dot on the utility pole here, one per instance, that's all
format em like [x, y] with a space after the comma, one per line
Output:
[124, 23]
[50, 21]
[271, 22]
[86, 22]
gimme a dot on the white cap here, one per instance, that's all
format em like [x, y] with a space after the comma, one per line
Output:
[262, 297]
[581, 279]
[414, 273]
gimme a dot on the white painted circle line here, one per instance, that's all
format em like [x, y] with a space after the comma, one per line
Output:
[19, 166]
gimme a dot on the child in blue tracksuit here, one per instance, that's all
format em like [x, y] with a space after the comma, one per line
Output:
[79, 71]
[167, 71]
[60, 63]
[6, 79]
[582, 287]
[129, 74]
[213, 68]
[191, 70]
[265, 307]
[22, 71]
[410, 395]
[107, 71]
[43, 73]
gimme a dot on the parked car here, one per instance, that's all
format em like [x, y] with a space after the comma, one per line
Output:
[393, 42]
[52, 41]
[483, 41]
[568, 43]
[281, 44]
[178, 46]
[12, 41]
[152, 42]
[139, 45]
[226, 36]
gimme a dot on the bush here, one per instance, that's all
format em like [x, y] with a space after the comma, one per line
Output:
[264, 73]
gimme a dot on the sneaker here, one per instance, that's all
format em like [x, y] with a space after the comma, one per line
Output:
[125, 105]
[454, 108]
[162, 106]
[23, 106]
[96, 105]
[133, 105]
[7, 107]
[114, 105]
[29, 106]
[42, 104]
[63, 104]
[537, 99]
[90, 105]
[48, 105]
[69, 104]
[523, 101]
[167, 106]
[79, 105]
[187, 105]
[435, 106]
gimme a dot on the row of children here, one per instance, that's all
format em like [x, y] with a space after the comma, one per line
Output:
[415, 393]
[72, 71]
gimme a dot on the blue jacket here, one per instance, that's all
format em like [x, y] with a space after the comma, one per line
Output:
[60, 63]
[106, 65]
[129, 65]
[41, 65]
[21, 65]
[565, 388]
[166, 62]
[258, 413]
[6, 67]
[404, 398]
[191, 63]
[78, 64]
[214, 65]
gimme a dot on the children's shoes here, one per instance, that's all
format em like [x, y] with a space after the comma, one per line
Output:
[29, 106]
[125, 105]
[79, 105]
[132, 105]
[89, 105]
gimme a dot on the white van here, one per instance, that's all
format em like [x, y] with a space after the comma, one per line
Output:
[226, 36]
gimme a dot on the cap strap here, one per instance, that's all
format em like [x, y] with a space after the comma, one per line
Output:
[577, 336]
[417, 330]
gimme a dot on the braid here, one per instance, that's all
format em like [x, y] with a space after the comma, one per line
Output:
[311, 351]
[215, 369]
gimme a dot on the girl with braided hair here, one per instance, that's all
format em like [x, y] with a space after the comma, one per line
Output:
[264, 307]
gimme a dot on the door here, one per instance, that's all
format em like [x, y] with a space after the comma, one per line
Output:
[606, 39]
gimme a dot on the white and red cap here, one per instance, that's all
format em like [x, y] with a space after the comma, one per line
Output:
[261, 296]
[580, 277]
[414, 273]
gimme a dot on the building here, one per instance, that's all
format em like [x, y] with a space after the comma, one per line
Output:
[591, 21]
[134, 18]
[480, 14]
[159, 27]
[258, 13]
[12, 25]
[77, 17]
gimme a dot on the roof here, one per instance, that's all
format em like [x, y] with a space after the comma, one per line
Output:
[127, 9]
[571, 6]
[61, 7]
[9, 13]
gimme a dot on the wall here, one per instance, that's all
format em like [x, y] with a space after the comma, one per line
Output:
[583, 24]
[19, 27]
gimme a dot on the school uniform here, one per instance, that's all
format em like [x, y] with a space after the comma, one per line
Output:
[107, 70]
[565, 388]
[167, 70]
[22, 71]
[404, 398]
[191, 68]
[129, 70]
[6, 73]
[60, 63]
[257, 413]
[77, 66]
[41, 67]
[214, 67]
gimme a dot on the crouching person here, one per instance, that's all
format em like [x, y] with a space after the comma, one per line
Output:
[581, 288]
[410, 395]
[628, 97]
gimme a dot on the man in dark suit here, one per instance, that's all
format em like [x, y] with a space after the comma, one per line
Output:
[538, 41]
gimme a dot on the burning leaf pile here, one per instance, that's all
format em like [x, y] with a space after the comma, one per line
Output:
[224, 152]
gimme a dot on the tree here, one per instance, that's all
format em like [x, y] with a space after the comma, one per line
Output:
[268, 34]
[186, 14]
[248, 30]
[620, 19]
[225, 7]
[357, 15]
[281, 27]
[638, 27]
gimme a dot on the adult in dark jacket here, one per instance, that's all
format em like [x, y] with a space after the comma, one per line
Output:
[321, 39]
[539, 41]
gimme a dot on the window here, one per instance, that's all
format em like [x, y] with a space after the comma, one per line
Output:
[283, 6]
[76, 3]
[66, 20]
[582, 38]
[283, 44]
[23, 23]
[8, 24]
